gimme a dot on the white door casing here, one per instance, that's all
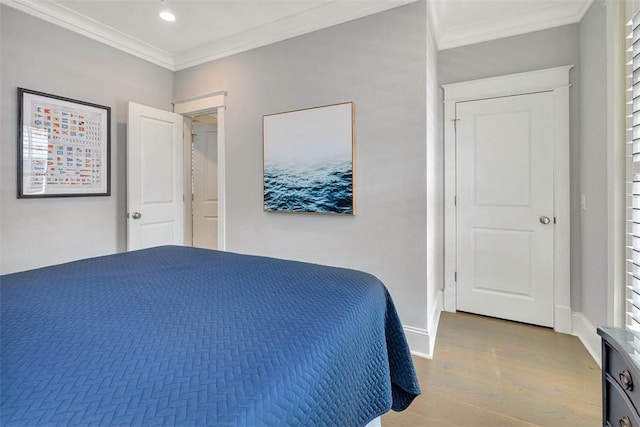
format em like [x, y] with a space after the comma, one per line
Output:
[205, 185]
[154, 178]
[555, 81]
[188, 215]
[505, 207]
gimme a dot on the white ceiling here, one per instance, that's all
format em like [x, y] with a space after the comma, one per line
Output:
[208, 30]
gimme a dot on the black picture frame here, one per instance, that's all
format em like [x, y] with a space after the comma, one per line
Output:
[64, 146]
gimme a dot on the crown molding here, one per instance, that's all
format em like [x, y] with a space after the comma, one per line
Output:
[435, 15]
[329, 14]
[81, 24]
[562, 13]
[433, 22]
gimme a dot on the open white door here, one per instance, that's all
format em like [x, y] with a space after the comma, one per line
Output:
[154, 178]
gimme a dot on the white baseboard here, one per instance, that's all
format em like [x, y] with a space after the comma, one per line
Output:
[583, 329]
[422, 342]
[419, 341]
[563, 319]
[376, 422]
[450, 299]
[434, 320]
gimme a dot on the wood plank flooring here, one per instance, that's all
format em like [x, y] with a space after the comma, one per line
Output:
[490, 372]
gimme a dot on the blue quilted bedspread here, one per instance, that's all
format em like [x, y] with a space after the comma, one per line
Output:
[184, 336]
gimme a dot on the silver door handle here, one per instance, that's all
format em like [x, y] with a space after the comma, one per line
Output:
[543, 220]
[136, 215]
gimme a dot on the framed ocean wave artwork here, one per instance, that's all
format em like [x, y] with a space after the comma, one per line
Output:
[309, 160]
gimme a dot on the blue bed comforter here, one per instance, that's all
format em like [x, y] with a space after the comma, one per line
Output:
[184, 336]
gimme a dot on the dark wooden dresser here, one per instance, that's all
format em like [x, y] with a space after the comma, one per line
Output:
[620, 377]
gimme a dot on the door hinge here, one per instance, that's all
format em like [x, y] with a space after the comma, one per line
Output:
[455, 200]
[554, 219]
[455, 276]
[455, 124]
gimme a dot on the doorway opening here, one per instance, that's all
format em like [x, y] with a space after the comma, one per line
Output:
[494, 265]
[201, 216]
[159, 172]
[204, 170]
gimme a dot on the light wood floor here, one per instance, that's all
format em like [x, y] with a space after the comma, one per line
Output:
[489, 372]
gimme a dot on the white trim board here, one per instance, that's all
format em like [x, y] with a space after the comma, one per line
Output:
[199, 104]
[554, 80]
[586, 332]
[422, 342]
[213, 102]
[616, 162]
[376, 422]
[70, 20]
[548, 16]
[434, 321]
[509, 84]
[329, 14]
[419, 341]
[326, 15]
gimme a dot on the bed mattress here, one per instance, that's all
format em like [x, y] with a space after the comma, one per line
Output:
[184, 336]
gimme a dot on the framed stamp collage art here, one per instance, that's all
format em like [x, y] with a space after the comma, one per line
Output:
[63, 146]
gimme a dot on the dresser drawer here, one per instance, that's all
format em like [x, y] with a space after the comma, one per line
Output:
[619, 411]
[623, 374]
[620, 377]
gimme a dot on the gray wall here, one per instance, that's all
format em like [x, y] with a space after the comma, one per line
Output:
[40, 56]
[542, 49]
[379, 62]
[593, 162]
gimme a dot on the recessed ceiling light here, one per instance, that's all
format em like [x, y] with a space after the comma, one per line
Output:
[167, 16]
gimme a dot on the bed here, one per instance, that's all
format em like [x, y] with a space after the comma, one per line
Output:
[184, 336]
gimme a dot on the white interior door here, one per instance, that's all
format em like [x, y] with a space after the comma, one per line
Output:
[154, 178]
[205, 185]
[505, 219]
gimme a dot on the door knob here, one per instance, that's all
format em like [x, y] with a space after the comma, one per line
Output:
[543, 220]
[136, 215]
